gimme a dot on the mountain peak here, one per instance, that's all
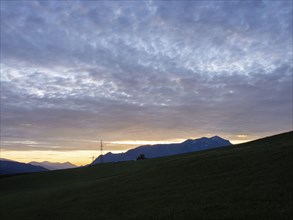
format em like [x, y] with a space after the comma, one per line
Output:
[213, 138]
[216, 137]
[54, 165]
[160, 150]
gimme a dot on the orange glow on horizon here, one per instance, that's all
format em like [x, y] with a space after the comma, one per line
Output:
[78, 157]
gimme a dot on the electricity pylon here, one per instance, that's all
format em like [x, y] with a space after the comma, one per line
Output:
[101, 156]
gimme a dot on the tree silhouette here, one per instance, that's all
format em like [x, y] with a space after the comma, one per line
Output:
[141, 157]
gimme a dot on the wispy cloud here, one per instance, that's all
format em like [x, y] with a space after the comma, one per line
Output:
[146, 70]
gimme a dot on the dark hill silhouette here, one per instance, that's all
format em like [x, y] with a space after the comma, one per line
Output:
[252, 180]
[12, 167]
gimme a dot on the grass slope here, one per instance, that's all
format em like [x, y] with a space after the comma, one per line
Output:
[247, 181]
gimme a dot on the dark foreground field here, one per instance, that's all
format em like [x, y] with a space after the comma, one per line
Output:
[248, 181]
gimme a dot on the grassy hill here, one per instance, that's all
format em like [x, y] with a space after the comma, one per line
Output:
[247, 181]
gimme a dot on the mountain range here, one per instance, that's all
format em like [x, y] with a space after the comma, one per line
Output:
[53, 166]
[161, 150]
[8, 167]
[13, 167]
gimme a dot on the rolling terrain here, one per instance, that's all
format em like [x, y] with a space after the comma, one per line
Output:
[246, 181]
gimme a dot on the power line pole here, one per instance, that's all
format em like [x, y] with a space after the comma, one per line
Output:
[101, 156]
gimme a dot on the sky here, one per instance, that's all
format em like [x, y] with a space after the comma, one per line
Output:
[141, 72]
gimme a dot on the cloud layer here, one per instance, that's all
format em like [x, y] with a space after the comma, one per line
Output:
[76, 72]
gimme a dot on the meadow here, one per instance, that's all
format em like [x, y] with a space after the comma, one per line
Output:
[246, 181]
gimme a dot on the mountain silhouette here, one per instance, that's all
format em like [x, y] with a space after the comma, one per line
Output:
[13, 167]
[53, 166]
[161, 150]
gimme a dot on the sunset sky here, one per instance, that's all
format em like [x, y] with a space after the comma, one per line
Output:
[139, 72]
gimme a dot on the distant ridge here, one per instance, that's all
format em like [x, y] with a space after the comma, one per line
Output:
[12, 167]
[161, 150]
[53, 166]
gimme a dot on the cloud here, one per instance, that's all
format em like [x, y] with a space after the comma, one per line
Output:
[143, 70]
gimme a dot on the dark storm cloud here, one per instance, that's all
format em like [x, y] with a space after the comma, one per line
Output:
[144, 70]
